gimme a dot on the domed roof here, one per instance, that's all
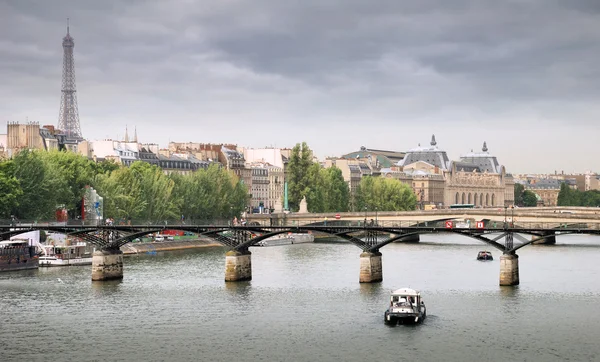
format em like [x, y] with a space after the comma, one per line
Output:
[431, 155]
[483, 160]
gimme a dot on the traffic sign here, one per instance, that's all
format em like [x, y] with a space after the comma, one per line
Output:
[338, 216]
[480, 224]
[448, 224]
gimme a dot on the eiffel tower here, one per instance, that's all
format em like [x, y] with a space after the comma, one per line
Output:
[68, 118]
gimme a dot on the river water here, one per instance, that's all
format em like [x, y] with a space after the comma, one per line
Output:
[305, 304]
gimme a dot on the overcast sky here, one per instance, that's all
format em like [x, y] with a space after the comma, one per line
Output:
[339, 74]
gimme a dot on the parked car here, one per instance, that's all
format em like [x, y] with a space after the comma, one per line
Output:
[159, 238]
[170, 238]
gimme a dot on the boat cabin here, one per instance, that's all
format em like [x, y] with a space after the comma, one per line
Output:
[79, 250]
[405, 297]
[485, 255]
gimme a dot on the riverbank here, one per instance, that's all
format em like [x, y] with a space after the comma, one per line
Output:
[151, 247]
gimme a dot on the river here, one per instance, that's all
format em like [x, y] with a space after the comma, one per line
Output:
[305, 304]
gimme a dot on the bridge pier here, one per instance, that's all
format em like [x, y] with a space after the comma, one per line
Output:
[371, 270]
[238, 266]
[547, 241]
[107, 265]
[509, 269]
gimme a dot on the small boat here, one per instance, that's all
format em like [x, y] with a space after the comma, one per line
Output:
[485, 255]
[65, 255]
[406, 307]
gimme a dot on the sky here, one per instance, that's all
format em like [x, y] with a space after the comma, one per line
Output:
[337, 74]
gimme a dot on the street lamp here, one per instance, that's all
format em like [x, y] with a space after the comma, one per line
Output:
[512, 216]
[365, 216]
[376, 223]
[505, 208]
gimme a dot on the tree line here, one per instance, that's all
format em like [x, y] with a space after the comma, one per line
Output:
[34, 183]
[570, 197]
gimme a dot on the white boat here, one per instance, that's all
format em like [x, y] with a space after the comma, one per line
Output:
[406, 306]
[66, 255]
[287, 239]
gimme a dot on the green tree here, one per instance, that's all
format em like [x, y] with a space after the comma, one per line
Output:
[315, 190]
[385, 194]
[590, 198]
[519, 189]
[10, 192]
[337, 193]
[210, 194]
[76, 171]
[568, 196]
[528, 199]
[43, 187]
[297, 172]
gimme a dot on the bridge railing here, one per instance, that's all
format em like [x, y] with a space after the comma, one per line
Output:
[439, 225]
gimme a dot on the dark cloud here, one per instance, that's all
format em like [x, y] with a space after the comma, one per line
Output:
[338, 73]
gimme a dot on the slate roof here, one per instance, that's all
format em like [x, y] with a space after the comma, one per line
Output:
[432, 155]
[483, 160]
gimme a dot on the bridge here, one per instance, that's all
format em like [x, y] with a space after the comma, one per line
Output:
[370, 237]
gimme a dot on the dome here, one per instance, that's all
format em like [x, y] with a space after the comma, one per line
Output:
[483, 160]
[431, 155]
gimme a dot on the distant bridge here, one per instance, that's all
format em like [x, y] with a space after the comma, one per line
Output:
[370, 237]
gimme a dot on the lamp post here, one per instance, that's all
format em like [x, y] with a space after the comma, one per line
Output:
[505, 208]
[512, 216]
[365, 216]
[376, 222]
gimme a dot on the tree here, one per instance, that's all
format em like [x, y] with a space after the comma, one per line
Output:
[568, 196]
[297, 171]
[10, 192]
[316, 189]
[529, 199]
[43, 188]
[76, 171]
[210, 194]
[385, 194]
[337, 193]
[519, 189]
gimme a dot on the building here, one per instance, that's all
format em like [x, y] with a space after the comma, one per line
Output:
[376, 159]
[234, 160]
[266, 188]
[28, 136]
[477, 178]
[546, 189]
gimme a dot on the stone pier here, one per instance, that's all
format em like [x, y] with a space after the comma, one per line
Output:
[238, 266]
[547, 241]
[509, 269]
[370, 268]
[107, 265]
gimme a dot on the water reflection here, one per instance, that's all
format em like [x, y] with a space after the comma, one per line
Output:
[105, 288]
[238, 291]
[371, 291]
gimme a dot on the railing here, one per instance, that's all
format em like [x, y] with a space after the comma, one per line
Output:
[439, 226]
